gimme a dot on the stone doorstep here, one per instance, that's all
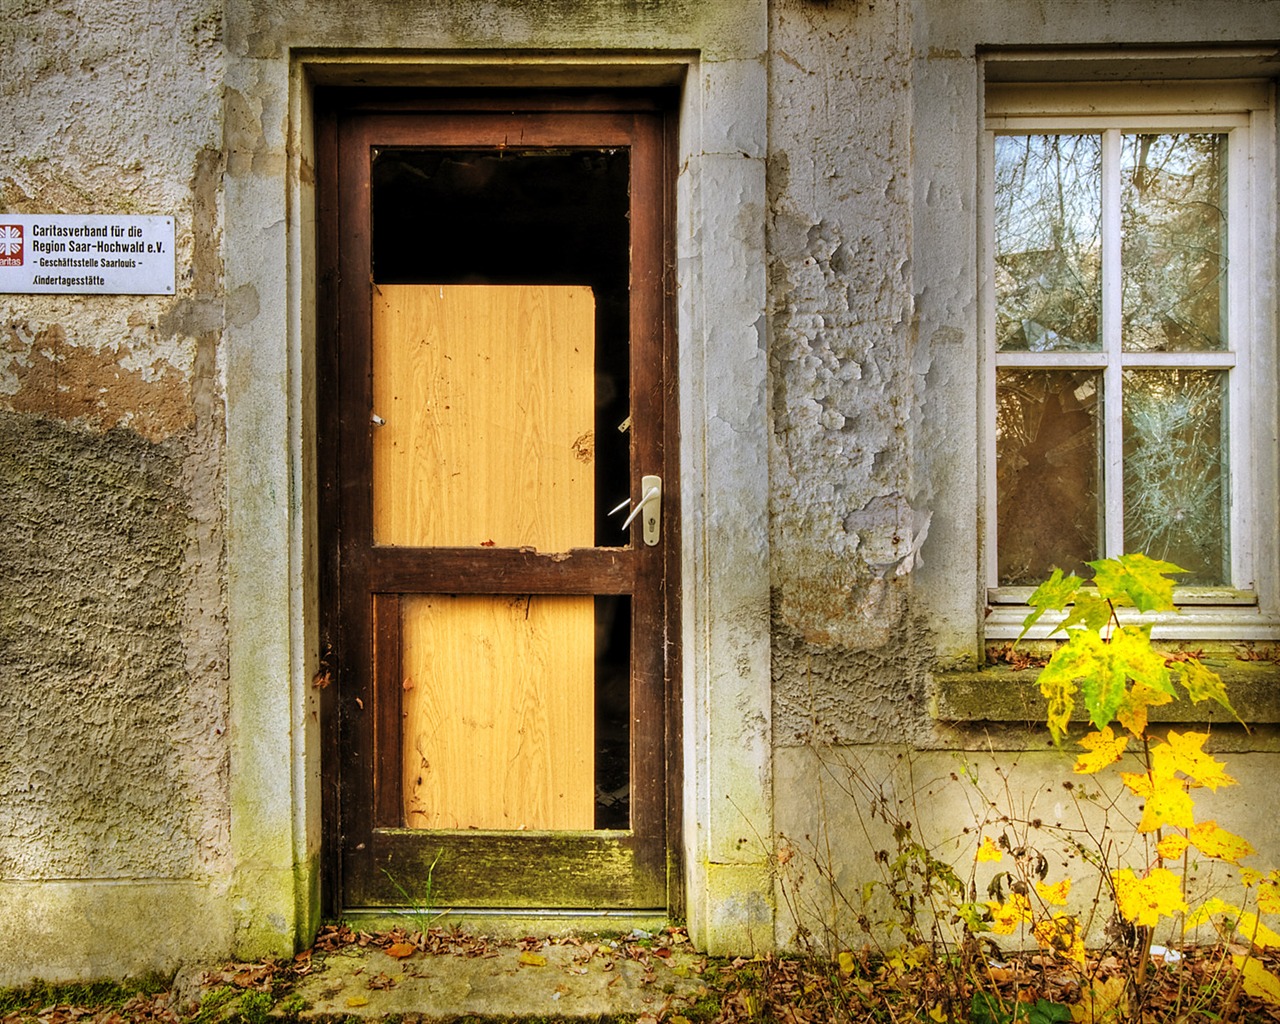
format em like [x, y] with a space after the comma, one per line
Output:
[367, 983]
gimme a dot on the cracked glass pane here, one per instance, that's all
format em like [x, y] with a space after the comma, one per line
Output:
[1048, 472]
[1174, 249]
[1048, 241]
[1175, 473]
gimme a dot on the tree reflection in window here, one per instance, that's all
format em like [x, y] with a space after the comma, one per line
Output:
[1110, 257]
[1174, 232]
[1174, 474]
[1048, 235]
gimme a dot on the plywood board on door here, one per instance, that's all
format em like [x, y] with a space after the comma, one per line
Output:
[498, 702]
[487, 399]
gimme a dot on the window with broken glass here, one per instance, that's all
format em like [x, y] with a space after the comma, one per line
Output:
[1118, 314]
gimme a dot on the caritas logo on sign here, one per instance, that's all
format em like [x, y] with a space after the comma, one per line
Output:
[10, 245]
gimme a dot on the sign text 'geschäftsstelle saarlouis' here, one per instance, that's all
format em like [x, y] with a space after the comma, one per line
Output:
[71, 254]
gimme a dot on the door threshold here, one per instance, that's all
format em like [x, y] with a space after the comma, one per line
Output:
[507, 924]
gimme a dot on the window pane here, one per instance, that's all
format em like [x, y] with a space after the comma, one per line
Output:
[1048, 239]
[1175, 469]
[1174, 249]
[1048, 476]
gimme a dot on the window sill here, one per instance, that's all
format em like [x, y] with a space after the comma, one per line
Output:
[1229, 622]
[999, 693]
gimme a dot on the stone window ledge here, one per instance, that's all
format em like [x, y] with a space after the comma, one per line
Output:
[1002, 694]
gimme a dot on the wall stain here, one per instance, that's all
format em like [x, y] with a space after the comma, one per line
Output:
[50, 376]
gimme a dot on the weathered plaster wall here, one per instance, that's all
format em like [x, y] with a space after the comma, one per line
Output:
[113, 649]
[157, 607]
[849, 655]
[842, 837]
[875, 364]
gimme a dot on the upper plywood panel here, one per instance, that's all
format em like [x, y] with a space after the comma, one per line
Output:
[488, 398]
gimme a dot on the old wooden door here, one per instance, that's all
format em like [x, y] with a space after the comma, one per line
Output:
[494, 381]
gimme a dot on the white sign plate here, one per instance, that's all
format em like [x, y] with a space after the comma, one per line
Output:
[85, 255]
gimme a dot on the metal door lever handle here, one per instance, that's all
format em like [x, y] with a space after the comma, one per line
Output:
[651, 505]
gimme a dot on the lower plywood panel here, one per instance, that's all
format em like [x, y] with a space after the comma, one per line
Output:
[498, 712]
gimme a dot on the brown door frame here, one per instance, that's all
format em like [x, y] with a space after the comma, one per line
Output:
[360, 584]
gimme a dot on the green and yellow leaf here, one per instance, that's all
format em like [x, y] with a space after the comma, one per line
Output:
[1080, 657]
[1053, 595]
[1202, 683]
[1136, 580]
[1088, 610]
[1131, 647]
[1132, 712]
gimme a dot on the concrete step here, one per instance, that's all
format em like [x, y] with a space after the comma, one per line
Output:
[442, 979]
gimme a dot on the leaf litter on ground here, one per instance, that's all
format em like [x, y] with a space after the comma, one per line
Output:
[1025, 988]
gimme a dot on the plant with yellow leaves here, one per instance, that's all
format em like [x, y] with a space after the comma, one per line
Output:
[1112, 668]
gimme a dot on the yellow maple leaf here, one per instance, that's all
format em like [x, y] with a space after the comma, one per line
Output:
[989, 851]
[1143, 901]
[1056, 894]
[1173, 846]
[1209, 908]
[1007, 916]
[1139, 783]
[1269, 894]
[1236, 923]
[1258, 981]
[1249, 927]
[1184, 753]
[1107, 1001]
[1168, 805]
[1213, 841]
[1103, 747]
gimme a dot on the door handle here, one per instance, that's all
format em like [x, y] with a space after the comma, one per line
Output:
[650, 505]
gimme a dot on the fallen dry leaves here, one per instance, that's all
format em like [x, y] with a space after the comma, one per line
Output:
[858, 986]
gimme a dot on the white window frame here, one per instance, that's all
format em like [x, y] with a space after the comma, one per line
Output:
[1244, 111]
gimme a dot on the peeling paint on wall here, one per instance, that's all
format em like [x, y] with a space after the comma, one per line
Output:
[842, 521]
[113, 637]
[100, 388]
